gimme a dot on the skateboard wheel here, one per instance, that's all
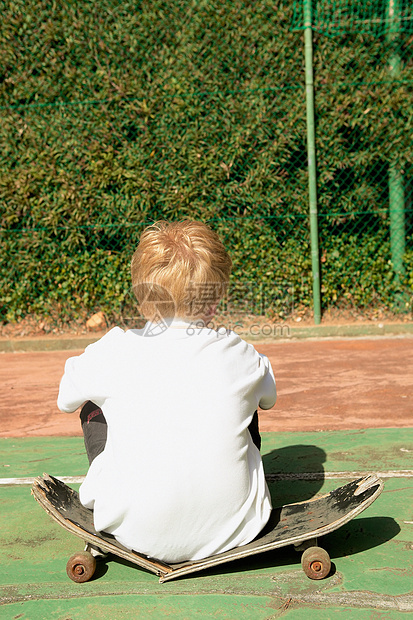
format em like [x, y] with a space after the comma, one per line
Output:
[316, 563]
[81, 567]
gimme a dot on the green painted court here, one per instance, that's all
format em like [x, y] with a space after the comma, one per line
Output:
[372, 555]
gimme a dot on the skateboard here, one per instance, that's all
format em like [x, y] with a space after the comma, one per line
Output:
[298, 524]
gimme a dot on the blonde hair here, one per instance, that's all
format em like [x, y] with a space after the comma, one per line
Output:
[179, 269]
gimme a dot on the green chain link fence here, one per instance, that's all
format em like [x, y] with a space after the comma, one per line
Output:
[363, 94]
[116, 114]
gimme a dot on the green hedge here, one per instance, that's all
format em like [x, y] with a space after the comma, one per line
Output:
[115, 114]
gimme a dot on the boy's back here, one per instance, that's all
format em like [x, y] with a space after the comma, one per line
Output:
[180, 477]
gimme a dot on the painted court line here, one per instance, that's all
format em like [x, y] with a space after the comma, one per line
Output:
[326, 475]
[332, 475]
[26, 481]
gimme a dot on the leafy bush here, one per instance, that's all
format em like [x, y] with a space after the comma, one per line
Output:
[116, 114]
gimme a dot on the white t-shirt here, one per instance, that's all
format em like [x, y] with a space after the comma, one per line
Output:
[180, 478]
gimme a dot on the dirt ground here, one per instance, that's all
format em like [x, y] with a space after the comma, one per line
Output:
[322, 385]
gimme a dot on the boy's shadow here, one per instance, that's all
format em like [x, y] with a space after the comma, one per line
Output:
[294, 473]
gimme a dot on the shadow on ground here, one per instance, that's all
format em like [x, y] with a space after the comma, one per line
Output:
[295, 459]
[360, 535]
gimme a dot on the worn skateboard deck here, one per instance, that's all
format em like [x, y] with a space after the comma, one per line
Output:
[292, 524]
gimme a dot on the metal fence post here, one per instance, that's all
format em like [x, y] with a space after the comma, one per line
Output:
[396, 186]
[311, 153]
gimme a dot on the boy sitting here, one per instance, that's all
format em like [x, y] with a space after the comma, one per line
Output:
[174, 471]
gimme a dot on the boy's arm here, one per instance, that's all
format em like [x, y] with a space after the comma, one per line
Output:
[87, 376]
[71, 395]
[268, 389]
